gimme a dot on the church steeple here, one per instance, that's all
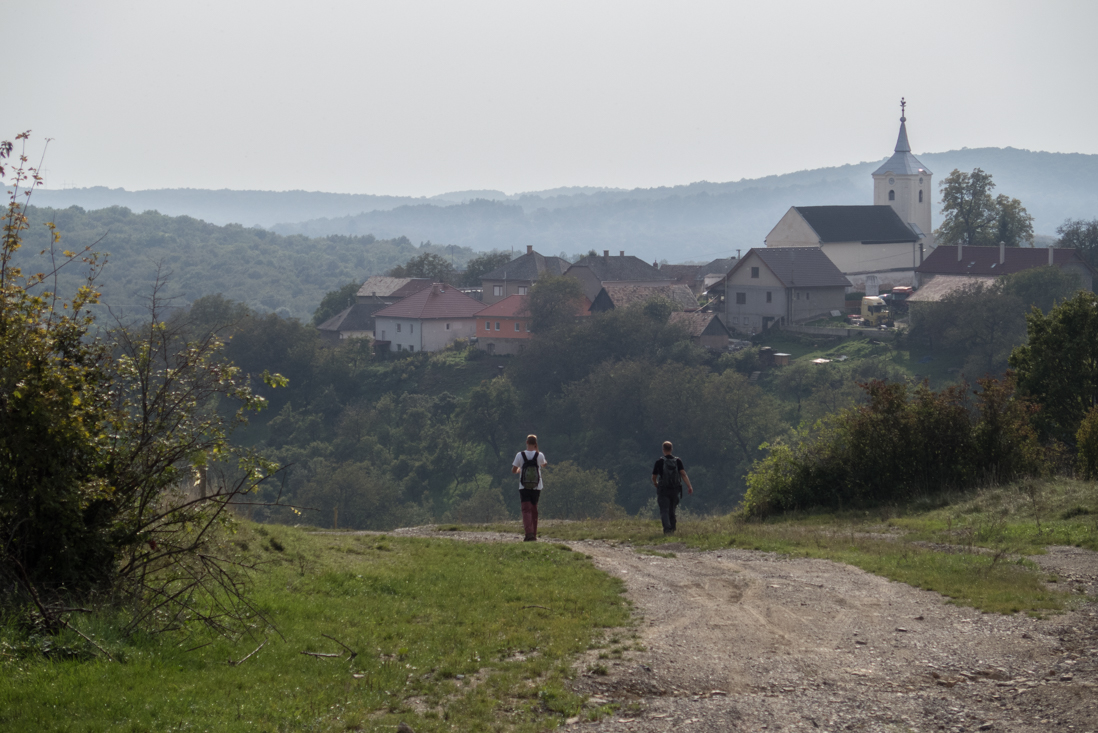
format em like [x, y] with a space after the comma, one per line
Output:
[902, 145]
[905, 184]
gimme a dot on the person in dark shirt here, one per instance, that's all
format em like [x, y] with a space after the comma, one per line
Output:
[668, 476]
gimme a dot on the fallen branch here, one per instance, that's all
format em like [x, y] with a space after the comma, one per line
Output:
[337, 641]
[321, 654]
[541, 607]
[73, 628]
[245, 659]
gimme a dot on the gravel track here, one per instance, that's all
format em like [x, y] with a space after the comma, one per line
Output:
[742, 640]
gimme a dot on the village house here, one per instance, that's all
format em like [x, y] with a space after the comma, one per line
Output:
[698, 277]
[706, 329]
[873, 246]
[779, 286]
[595, 272]
[504, 326]
[376, 293]
[519, 275]
[949, 268]
[428, 320]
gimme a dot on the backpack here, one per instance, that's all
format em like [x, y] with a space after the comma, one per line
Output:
[530, 475]
[670, 481]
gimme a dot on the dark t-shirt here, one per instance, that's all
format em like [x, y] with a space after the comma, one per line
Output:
[658, 468]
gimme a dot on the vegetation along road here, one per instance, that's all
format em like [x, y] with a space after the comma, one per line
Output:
[736, 639]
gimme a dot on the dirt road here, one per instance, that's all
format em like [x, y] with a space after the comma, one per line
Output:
[736, 640]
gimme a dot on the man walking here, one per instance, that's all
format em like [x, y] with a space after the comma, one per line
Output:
[668, 476]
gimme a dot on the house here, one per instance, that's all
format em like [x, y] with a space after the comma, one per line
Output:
[878, 245]
[428, 320]
[620, 296]
[595, 272]
[698, 277]
[504, 326]
[780, 285]
[962, 263]
[707, 329]
[519, 275]
[376, 293]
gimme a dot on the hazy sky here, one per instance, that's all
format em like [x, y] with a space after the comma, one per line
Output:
[422, 97]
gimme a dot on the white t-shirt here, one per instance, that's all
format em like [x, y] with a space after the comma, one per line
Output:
[524, 455]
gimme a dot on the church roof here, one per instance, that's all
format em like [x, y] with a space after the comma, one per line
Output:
[902, 161]
[865, 224]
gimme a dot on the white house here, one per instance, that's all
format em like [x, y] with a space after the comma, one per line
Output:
[428, 320]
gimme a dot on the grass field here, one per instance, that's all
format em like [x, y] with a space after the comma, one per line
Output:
[447, 636]
[969, 548]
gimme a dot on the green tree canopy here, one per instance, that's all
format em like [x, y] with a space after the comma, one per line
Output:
[1058, 366]
[554, 301]
[427, 264]
[335, 301]
[973, 217]
[480, 266]
[1080, 235]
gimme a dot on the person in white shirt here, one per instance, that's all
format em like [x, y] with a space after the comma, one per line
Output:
[528, 465]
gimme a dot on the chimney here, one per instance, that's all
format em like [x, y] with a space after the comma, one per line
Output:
[1002, 252]
[737, 255]
[606, 255]
[529, 249]
[958, 251]
[1050, 253]
[621, 253]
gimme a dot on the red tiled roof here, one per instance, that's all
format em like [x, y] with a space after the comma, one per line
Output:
[510, 307]
[437, 301]
[985, 260]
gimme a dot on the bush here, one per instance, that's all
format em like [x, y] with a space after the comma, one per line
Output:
[574, 493]
[1087, 438]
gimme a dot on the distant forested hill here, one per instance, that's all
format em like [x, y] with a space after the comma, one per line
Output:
[699, 221]
[269, 272]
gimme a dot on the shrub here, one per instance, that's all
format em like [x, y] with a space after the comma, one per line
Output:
[1087, 439]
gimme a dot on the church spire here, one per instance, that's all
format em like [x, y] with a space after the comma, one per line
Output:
[902, 145]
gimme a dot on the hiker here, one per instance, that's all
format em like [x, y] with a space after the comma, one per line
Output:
[668, 476]
[528, 464]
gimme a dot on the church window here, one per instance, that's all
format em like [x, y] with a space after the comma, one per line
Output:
[891, 195]
[920, 197]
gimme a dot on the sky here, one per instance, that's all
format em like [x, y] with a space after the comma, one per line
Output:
[421, 97]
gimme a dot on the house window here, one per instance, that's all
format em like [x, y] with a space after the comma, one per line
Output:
[447, 326]
[797, 295]
[497, 290]
[383, 335]
[808, 295]
[522, 290]
[735, 320]
[398, 328]
[891, 195]
[741, 298]
[518, 326]
[497, 325]
[769, 296]
[755, 273]
[487, 325]
[411, 328]
[527, 327]
[920, 197]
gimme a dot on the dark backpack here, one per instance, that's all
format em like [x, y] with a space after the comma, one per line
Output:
[530, 475]
[670, 481]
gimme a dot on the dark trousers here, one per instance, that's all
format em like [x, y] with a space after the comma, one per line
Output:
[529, 499]
[668, 503]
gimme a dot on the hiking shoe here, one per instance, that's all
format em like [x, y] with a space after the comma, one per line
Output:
[530, 538]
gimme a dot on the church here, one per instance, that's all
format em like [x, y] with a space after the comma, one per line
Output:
[873, 246]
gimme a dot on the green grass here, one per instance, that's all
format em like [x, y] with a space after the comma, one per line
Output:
[449, 636]
[806, 347]
[969, 548]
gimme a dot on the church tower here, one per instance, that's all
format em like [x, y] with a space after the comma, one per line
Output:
[904, 184]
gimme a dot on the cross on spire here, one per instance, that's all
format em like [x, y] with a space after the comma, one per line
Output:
[903, 104]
